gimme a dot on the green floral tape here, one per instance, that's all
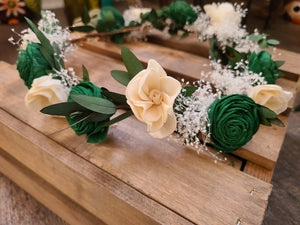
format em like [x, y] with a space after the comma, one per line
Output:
[94, 130]
[233, 121]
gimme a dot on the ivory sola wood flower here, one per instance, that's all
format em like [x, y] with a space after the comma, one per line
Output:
[151, 94]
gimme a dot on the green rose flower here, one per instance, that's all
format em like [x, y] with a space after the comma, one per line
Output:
[262, 63]
[233, 120]
[181, 13]
[31, 64]
[94, 130]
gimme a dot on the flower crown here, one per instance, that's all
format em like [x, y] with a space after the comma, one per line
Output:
[225, 112]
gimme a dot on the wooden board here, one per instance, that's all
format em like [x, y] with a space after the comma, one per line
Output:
[193, 45]
[138, 181]
[189, 66]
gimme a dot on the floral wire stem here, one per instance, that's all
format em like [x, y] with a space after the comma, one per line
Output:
[70, 125]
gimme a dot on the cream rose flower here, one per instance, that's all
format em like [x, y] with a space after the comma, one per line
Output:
[45, 91]
[222, 13]
[151, 94]
[271, 96]
[133, 14]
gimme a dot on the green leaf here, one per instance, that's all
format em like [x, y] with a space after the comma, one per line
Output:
[277, 122]
[188, 91]
[256, 37]
[262, 43]
[266, 112]
[279, 63]
[122, 77]
[83, 29]
[97, 117]
[42, 38]
[117, 99]
[63, 109]
[118, 118]
[48, 57]
[85, 17]
[297, 108]
[94, 104]
[85, 74]
[184, 35]
[280, 74]
[58, 60]
[273, 42]
[132, 64]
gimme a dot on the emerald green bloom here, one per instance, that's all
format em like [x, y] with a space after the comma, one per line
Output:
[31, 64]
[262, 63]
[94, 130]
[233, 120]
[182, 13]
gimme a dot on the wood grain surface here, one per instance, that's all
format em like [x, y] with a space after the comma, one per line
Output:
[18, 207]
[180, 64]
[148, 181]
[193, 45]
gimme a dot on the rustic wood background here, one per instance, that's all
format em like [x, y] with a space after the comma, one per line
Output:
[17, 207]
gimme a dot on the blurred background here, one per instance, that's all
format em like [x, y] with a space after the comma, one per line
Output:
[279, 18]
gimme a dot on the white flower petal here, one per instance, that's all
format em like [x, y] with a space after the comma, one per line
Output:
[167, 129]
[153, 64]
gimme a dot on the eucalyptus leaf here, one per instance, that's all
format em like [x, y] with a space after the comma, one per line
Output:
[132, 64]
[83, 29]
[273, 42]
[277, 122]
[254, 37]
[118, 118]
[184, 35]
[122, 77]
[58, 60]
[42, 38]
[48, 57]
[279, 63]
[97, 117]
[85, 74]
[94, 104]
[63, 109]
[266, 113]
[262, 43]
[117, 99]
[189, 90]
[85, 17]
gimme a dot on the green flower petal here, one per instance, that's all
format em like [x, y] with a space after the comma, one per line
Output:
[95, 131]
[31, 64]
[234, 120]
[182, 13]
[262, 63]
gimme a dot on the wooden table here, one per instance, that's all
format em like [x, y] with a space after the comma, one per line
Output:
[131, 178]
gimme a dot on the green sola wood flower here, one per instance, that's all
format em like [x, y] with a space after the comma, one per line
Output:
[233, 120]
[94, 130]
[262, 63]
[182, 13]
[31, 64]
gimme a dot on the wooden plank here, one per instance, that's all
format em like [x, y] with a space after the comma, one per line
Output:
[167, 57]
[170, 174]
[45, 193]
[265, 145]
[193, 45]
[259, 172]
[100, 193]
[254, 151]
